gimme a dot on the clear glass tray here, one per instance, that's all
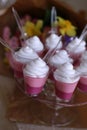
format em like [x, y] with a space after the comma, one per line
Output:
[47, 96]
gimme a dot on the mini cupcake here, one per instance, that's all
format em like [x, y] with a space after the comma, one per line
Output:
[66, 79]
[19, 58]
[35, 76]
[59, 58]
[35, 43]
[76, 48]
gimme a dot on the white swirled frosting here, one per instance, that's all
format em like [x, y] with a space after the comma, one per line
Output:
[25, 54]
[35, 43]
[76, 46]
[82, 68]
[60, 58]
[84, 57]
[52, 41]
[36, 68]
[66, 73]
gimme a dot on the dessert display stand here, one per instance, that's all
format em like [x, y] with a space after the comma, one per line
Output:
[46, 109]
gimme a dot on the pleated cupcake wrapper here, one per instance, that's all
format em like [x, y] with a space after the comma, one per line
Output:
[82, 84]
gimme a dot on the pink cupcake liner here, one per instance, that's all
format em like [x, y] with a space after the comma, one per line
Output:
[82, 84]
[34, 86]
[33, 90]
[62, 95]
[65, 90]
[66, 87]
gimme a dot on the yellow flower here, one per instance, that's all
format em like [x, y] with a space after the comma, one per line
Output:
[66, 27]
[29, 28]
[33, 28]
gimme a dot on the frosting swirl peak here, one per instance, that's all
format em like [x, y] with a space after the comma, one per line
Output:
[36, 68]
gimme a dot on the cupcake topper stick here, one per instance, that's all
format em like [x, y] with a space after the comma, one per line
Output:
[53, 20]
[83, 35]
[84, 29]
[4, 43]
[54, 50]
[17, 18]
[47, 54]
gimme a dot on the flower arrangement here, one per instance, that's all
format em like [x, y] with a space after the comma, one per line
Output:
[33, 28]
[65, 27]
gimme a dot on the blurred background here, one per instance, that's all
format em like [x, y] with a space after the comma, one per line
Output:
[77, 4]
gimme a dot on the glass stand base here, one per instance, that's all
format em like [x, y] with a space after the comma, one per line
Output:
[55, 112]
[61, 116]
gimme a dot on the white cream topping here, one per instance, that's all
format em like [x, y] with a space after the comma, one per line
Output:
[36, 68]
[35, 43]
[82, 68]
[52, 41]
[84, 57]
[25, 54]
[76, 46]
[60, 58]
[66, 73]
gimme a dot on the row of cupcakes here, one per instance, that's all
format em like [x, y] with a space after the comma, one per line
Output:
[61, 63]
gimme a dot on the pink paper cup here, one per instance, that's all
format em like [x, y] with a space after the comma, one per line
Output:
[34, 86]
[65, 90]
[82, 84]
